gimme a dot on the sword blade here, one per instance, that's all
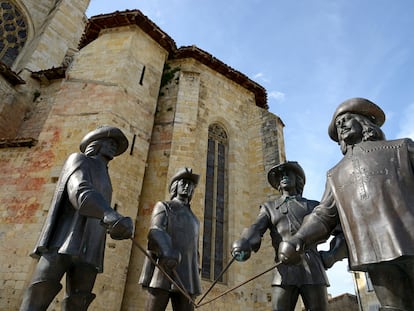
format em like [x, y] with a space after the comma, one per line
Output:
[180, 289]
[237, 286]
[216, 280]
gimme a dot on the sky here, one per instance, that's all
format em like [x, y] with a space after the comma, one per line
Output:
[310, 55]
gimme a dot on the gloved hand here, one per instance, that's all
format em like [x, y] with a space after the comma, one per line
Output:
[170, 259]
[118, 226]
[289, 251]
[241, 250]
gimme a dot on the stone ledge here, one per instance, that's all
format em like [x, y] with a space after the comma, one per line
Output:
[10, 75]
[17, 142]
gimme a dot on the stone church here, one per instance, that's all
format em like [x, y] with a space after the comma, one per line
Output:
[62, 75]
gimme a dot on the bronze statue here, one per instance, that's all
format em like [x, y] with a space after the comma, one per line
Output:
[72, 240]
[283, 217]
[370, 193]
[173, 243]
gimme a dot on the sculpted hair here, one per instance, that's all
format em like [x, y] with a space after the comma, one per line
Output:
[300, 184]
[93, 148]
[173, 190]
[370, 131]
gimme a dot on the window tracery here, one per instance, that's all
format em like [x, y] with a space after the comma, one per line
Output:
[13, 32]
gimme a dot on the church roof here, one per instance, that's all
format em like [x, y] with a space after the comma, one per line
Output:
[125, 18]
[136, 17]
[217, 65]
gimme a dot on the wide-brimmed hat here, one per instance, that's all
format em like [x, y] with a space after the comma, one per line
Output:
[106, 132]
[185, 173]
[359, 106]
[276, 172]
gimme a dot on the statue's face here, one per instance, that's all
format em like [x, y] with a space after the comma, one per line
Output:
[349, 129]
[185, 188]
[288, 182]
[108, 148]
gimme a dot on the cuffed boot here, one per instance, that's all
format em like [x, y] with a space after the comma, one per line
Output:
[78, 302]
[38, 296]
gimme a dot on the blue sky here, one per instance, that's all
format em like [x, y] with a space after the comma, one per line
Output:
[310, 55]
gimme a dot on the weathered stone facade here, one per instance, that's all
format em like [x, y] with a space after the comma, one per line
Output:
[128, 73]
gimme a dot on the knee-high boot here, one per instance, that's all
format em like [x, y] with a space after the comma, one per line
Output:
[39, 295]
[78, 302]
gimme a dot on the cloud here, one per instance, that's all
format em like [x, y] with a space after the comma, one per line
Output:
[279, 96]
[260, 76]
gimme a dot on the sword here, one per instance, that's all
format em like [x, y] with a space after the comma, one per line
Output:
[240, 285]
[216, 280]
[180, 288]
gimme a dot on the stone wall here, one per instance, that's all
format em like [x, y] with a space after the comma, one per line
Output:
[195, 98]
[57, 24]
[79, 104]
[115, 80]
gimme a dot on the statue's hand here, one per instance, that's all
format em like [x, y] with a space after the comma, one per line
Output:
[328, 259]
[289, 251]
[241, 250]
[170, 259]
[118, 226]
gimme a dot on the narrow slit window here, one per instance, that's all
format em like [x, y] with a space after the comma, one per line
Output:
[141, 79]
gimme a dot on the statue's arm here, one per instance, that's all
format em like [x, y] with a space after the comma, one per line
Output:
[251, 237]
[91, 203]
[84, 196]
[159, 240]
[318, 225]
[316, 228]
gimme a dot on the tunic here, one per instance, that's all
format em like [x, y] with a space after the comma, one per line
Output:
[371, 192]
[177, 223]
[283, 218]
[68, 227]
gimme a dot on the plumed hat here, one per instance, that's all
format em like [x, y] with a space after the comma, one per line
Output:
[276, 172]
[185, 173]
[106, 132]
[359, 106]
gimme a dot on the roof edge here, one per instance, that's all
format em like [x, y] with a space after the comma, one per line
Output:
[125, 18]
[217, 65]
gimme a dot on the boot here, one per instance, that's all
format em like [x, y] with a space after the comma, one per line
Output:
[77, 302]
[38, 296]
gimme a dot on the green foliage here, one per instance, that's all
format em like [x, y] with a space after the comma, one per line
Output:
[167, 76]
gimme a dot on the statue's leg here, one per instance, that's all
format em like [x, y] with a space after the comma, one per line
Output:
[80, 280]
[315, 297]
[45, 284]
[157, 299]
[181, 303]
[78, 302]
[38, 296]
[392, 284]
[284, 297]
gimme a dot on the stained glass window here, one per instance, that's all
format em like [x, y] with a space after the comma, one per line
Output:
[13, 32]
[215, 227]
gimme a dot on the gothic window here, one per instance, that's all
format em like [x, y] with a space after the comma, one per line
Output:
[214, 235]
[13, 32]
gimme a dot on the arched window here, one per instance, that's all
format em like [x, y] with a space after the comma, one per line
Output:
[215, 206]
[13, 32]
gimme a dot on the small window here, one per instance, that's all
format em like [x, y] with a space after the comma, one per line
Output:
[142, 76]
